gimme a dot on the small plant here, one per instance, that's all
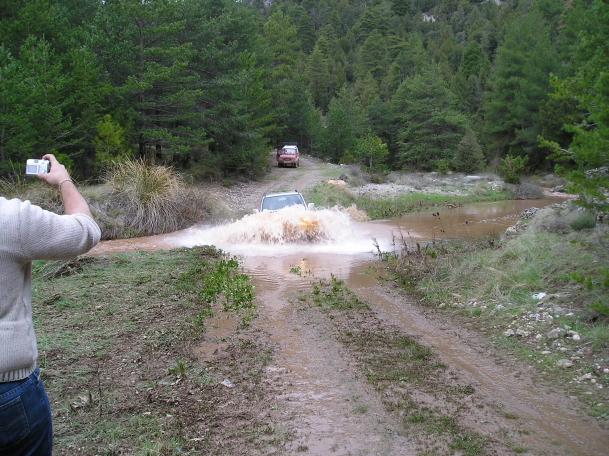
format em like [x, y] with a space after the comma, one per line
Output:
[153, 199]
[599, 335]
[585, 221]
[180, 369]
[512, 168]
[296, 269]
[221, 281]
[442, 166]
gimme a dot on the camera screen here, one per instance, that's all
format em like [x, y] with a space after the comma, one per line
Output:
[31, 169]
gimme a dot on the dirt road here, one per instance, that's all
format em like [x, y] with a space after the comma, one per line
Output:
[242, 198]
[356, 368]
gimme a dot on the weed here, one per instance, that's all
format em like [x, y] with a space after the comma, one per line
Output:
[222, 282]
[584, 221]
[360, 409]
[333, 294]
[599, 335]
[180, 369]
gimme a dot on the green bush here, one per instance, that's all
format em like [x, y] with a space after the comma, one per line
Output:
[583, 222]
[442, 166]
[512, 168]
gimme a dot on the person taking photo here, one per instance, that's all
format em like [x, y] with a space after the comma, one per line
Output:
[27, 232]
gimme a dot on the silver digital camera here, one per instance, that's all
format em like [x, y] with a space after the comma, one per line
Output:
[34, 167]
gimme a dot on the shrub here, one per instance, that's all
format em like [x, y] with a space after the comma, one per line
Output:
[512, 168]
[152, 199]
[372, 151]
[583, 222]
[442, 166]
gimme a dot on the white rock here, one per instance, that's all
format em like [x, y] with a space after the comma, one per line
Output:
[605, 371]
[509, 333]
[539, 296]
[521, 332]
[564, 363]
[576, 337]
[546, 352]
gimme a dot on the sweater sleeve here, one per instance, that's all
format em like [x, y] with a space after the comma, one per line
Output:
[47, 236]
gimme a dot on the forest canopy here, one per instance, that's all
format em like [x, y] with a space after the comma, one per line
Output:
[212, 85]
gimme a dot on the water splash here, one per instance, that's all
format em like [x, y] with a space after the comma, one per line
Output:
[292, 228]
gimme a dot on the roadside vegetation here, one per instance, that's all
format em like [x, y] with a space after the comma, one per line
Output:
[432, 406]
[117, 342]
[136, 198]
[328, 195]
[542, 292]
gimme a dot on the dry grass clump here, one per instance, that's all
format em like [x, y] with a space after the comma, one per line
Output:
[33, 190]
[147, 199]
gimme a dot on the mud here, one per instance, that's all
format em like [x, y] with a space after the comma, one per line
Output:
[548, 417]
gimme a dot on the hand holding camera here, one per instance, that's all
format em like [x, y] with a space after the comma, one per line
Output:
[49, 170]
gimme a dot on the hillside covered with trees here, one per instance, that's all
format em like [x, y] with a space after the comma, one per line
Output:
[211, 85]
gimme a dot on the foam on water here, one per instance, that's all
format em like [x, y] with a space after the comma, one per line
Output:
[269, 233]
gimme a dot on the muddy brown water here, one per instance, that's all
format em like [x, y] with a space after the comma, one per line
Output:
[320, 392]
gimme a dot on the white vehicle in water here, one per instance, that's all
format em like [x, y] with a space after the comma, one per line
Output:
[277, 201]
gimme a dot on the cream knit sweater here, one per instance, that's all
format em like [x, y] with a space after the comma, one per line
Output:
[28, 232]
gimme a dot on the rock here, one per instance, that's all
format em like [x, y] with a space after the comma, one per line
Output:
[576, 337]
[509, 333]
[226, 382]
[539, 296]
[564, 363]
[546, 352]
[556, 333]
[521, 332]
[472, 178]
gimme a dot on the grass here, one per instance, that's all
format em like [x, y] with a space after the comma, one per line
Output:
[326, 195]
[115, 338]
[493, 284]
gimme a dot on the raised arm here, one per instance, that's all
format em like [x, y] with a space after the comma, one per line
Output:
[58, 176]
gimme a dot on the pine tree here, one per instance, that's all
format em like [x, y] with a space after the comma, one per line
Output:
[468, 157]
[429, 128]
[346, 121]
[519, 87]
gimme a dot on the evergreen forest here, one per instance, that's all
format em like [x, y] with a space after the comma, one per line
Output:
[212, 85]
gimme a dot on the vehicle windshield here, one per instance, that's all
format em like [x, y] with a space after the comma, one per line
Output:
[289, 151]
[274, 203]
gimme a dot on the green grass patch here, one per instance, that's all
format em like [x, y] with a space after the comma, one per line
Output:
[115, 337]
[326, 195]
[333, 294]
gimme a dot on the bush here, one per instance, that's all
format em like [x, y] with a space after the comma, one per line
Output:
[147, 199]
[584, 221]
[442, 166]
[512, 168]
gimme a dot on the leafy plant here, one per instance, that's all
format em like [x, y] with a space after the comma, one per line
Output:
[512, 168]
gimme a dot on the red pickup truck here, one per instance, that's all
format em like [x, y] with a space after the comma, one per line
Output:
[288, 156]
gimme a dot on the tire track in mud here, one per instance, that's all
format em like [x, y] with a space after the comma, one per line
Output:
[547, 423]
[327, 408]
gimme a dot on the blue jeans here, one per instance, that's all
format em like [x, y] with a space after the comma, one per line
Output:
[25, 418]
